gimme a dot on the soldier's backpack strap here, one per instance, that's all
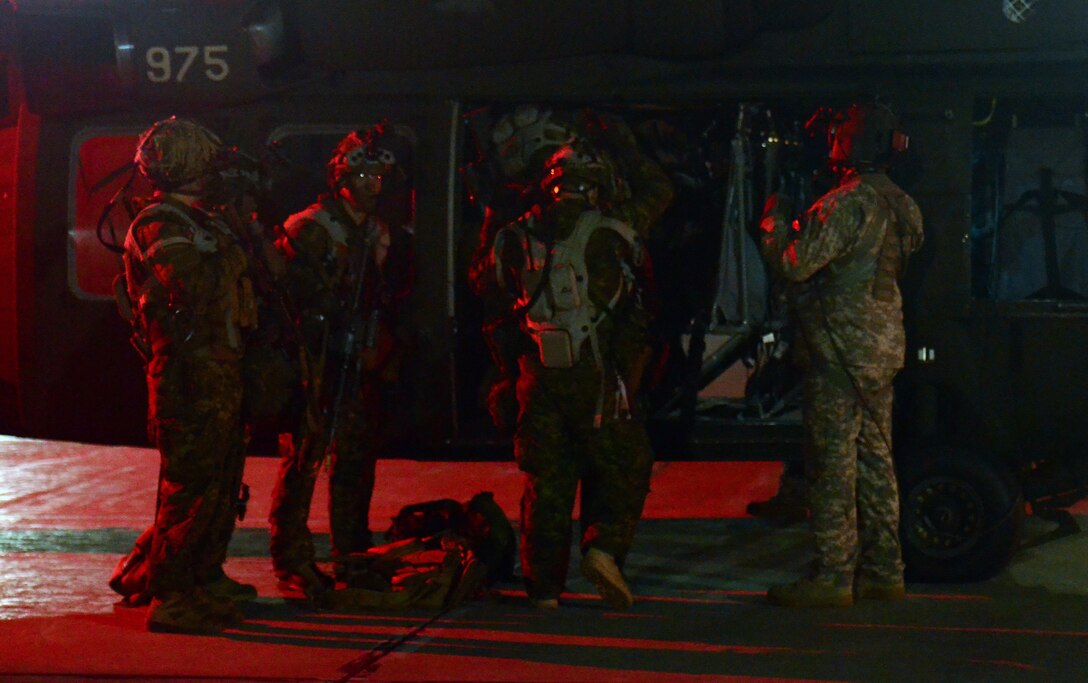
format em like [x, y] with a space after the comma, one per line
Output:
[129, 296]
[631, 237]
[196, 234]
[588, 225]
[333, 225]
[520, 230]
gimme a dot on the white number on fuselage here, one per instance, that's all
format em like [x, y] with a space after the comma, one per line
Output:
[162, 67]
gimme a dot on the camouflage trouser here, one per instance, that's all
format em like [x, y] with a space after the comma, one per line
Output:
[351, 485]
[195, 406]
[853, 493]
[291, 544]
[557, 446]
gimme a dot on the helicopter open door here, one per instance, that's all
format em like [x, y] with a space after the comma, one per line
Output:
[733, 391]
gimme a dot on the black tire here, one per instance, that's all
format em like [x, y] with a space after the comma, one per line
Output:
[960, 517]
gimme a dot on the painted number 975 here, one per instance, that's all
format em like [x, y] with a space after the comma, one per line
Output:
[165, 65]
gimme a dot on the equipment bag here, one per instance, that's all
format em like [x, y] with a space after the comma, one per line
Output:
[480, 521]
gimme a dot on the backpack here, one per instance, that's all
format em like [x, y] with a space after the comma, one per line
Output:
[480, 521]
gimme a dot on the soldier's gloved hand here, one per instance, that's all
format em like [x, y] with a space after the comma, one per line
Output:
[780, 205]
[777, 217]
[502, 404]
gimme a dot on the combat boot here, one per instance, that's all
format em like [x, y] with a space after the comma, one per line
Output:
[470, 580]
[819, 591]
[601, 570]
[226, 587]
[134, 600]
[870, 587]
[182, 613]
[221, 606]
[307, 580]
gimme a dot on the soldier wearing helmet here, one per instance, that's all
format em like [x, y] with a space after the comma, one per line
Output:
[565, 278]
[358, 168]
[185, 278]
[354, 245]
[576, 172]
[841, 261]
[178, 156]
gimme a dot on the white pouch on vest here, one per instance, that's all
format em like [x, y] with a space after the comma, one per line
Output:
[556, 350]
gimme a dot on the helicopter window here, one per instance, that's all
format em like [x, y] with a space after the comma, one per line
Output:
[1029, 202]
[101, 166]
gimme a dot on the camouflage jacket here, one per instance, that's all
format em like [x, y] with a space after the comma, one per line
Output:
[185, 276]
[322, 246]
[841, 261]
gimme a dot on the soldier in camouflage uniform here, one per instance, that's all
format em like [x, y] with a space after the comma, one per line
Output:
[185, 276]
[565, 272]
[324, 246]
[841, 262]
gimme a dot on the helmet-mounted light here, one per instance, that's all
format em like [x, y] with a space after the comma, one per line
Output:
[862, 135]
[574, 172]
[360, 154]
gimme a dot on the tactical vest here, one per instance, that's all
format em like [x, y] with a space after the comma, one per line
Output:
[147, 294]
[554, 287]
[337, 231]
[141, 277]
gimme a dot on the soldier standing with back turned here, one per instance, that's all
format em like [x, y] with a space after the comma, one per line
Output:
[841, 263]
[192, 305]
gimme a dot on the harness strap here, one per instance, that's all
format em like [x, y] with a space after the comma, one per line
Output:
[571, 253]
[145, 216]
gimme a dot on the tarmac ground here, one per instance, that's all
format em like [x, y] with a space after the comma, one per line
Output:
[700, 568]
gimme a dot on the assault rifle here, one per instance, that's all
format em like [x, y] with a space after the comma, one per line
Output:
[348, 376]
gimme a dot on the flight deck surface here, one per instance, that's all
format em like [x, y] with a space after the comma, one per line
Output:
[700, 567]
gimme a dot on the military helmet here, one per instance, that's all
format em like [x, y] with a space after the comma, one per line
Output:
[865, 135]
[576, 169]
[175, 152]
[361, 151]
[526, 137]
